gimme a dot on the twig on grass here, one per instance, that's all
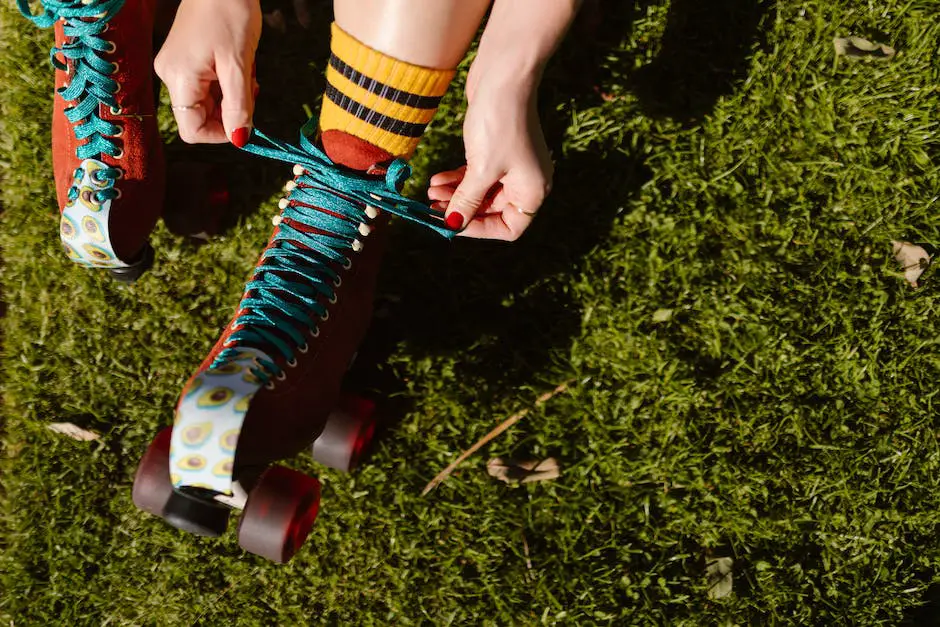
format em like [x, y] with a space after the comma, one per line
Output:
[439, 479]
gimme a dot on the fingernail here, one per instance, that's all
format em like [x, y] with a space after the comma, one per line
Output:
[454, 221]
[240, 136]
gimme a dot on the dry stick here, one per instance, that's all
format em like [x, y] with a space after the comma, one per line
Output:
[439, 479]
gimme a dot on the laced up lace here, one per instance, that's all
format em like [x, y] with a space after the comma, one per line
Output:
[296, 277]
[91, 83]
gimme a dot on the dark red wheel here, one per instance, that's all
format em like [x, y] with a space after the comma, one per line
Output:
[279, 514]
[152, 487]
[347, 434]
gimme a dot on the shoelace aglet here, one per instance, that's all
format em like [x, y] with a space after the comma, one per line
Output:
[364, 229]
[283, 203]
[372, 212]
[290, 186]
[299, 170]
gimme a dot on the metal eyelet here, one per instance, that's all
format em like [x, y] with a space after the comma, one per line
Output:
[116, 68]
[120, 132]
[332, 299]
[119, 175]
[269, 385]
[338, 281]
[120, 154]
[281, 376]
[315, 332]
[292, 363]
[347, 264]
[112, 48]
[325, 316]
[119, 193]
[302, 350]
[116, 110]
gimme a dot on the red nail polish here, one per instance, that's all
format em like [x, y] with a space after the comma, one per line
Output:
[454, 221]
[240, 136]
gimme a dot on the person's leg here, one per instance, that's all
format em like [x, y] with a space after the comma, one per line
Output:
[391, 62]
[106, 148]
[268, 387]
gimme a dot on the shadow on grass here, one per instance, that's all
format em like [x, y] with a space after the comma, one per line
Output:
[500, 298]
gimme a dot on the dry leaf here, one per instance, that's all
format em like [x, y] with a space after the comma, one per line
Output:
[718, 575]
[913, 259]
[73, 431]
[302, 11]
[858, 48]
[662, 315]
[276, 20]
[523, 471]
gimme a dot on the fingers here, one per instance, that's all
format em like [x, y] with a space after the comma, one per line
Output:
[238, 100]
[514, 208]
[196, 113]
[469, 197]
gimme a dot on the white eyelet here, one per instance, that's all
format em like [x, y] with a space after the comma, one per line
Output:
[315, 332]
[120, 132]
[118, 88]
[116, 110]
[291, 363]
[112, 48]
[338, 282]
[120, 154]
[119, 176]
[302, 350]
[117, 68]
[281, 375]
[119, 193]
[269, 385]
[325, 316]
[332, 299]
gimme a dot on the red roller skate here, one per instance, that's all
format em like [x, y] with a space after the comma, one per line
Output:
[106, 149]
[270, 387]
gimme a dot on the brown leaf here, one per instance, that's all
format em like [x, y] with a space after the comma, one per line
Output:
[858, 48]
[73, 431]
[523, 471]
[276, 20]
[719, 577]
[913, 259]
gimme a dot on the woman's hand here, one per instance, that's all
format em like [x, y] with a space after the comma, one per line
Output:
[509, 170]
[207, 63]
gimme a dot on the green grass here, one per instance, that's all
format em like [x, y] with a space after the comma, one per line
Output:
[712, 162]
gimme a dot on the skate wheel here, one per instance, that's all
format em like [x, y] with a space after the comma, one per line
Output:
[192, 514]
[279, 514]
[347, 434]
[152, 487]
[137, 268]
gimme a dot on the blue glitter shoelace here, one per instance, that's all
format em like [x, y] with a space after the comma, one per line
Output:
[295, 276]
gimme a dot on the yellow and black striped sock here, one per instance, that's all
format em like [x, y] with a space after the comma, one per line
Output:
[378, 98]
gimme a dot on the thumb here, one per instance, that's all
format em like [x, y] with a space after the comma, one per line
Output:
[238, 103]
[468, 198]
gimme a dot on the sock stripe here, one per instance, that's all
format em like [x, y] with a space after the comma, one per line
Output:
[399, 96]
[372, 117]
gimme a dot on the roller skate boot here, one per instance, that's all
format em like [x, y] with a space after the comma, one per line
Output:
[106, 148]
[270, 387]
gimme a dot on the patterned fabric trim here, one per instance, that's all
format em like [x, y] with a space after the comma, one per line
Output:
[209, 419]
[83, 225]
